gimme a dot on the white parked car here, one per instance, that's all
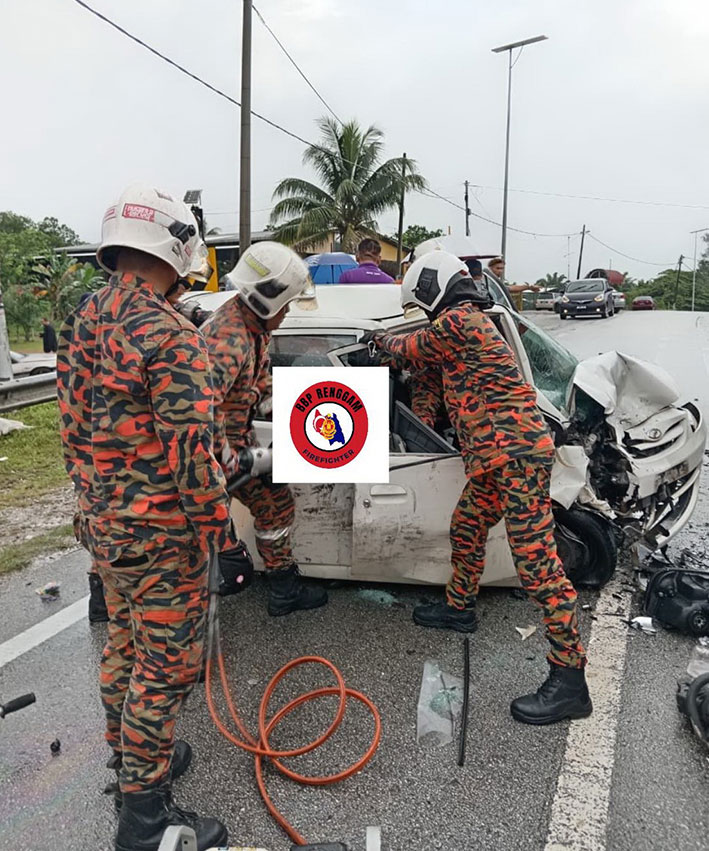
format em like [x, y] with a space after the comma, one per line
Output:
[618, 300]
[628, 456]
[547, 300]
[35, 363]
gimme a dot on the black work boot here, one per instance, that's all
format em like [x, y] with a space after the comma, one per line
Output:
[181, 761]
[98, 613]
[288, 593]
[146, 815]
[443, 616]
[564, 694]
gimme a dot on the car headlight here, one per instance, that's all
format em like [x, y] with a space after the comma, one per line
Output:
[599, 298]
[564, 298]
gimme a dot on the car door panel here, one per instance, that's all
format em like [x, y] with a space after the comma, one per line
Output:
[401, 530]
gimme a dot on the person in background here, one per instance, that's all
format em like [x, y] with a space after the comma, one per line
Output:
[369, 257]
[496, 267]
[49, 336]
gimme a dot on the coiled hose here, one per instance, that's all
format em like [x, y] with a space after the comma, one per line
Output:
[260, 747]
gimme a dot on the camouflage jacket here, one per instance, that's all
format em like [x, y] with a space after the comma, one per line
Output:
[492, 408]
[135, 401]
[238, 352]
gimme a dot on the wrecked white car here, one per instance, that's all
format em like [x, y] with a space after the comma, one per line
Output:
[627, 470]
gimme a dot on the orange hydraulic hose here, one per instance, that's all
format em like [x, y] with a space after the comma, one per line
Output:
[261, 749]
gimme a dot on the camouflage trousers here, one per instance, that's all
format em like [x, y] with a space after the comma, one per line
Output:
[273, 510]
[157, 605]
[519, 493]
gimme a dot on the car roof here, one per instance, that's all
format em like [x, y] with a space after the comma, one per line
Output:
[345, 306]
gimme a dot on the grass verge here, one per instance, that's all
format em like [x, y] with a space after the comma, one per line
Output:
[34, 463]
[17, 556]
[26, 346]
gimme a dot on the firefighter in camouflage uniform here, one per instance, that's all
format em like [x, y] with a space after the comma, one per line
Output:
[136, 408]
[508, 455]
[267, 278]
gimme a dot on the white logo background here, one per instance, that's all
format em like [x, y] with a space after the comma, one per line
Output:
[371, 384]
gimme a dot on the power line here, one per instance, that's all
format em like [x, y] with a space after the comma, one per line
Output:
[627, 256]
[431, 194]
[297, 67]
[598, 198]
[184, 70]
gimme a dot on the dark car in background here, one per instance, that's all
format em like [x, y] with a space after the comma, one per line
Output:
[587, 297]
[644, 302]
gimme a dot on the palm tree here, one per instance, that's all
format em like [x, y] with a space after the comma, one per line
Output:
[552, 281]
[356, 187]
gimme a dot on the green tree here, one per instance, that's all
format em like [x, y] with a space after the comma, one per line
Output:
[62, 281]
[61, 235]
[355, 187]
[22, 308]
[416, 234]
[23, 241]
[552, 281]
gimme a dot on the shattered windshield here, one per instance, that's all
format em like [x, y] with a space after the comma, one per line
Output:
[552, 366]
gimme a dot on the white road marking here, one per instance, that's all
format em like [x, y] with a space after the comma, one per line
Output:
[42, 631]
[579, 812]
[374, 839]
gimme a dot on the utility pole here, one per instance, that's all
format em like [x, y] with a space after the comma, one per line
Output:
[400, 243]
[5, 362]
[694, 274]
[568, 258]
[583, 239]
[245, 150]
[679, 270]
[467, 210]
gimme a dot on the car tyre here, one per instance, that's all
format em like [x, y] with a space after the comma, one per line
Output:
[563, 316]
[592, 564]
[41, 370]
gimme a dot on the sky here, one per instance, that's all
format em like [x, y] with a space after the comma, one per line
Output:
[612, 106]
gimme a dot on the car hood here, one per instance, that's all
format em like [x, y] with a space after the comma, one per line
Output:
[582, 296]
[629, 390]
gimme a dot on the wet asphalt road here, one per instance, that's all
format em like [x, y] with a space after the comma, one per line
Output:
[501, 799]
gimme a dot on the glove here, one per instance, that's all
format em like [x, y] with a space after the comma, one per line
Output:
[371, 337]
[236, 569]
[255, 460]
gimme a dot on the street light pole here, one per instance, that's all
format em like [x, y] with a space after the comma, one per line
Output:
[245, 152]
[509, 48]
[694, 273]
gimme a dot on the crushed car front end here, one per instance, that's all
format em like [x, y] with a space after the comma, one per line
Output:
[645, 451]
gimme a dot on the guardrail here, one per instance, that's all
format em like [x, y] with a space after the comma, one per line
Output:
[23, 392]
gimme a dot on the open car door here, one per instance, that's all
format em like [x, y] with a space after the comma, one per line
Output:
[400, 530]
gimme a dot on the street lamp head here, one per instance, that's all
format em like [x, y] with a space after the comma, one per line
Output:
[523, 43]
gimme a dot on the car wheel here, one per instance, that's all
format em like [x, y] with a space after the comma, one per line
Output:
[586, 546]
[41, 370]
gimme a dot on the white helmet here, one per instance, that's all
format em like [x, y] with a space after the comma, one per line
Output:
[268, 276]
[438, 280]
[151, 221]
